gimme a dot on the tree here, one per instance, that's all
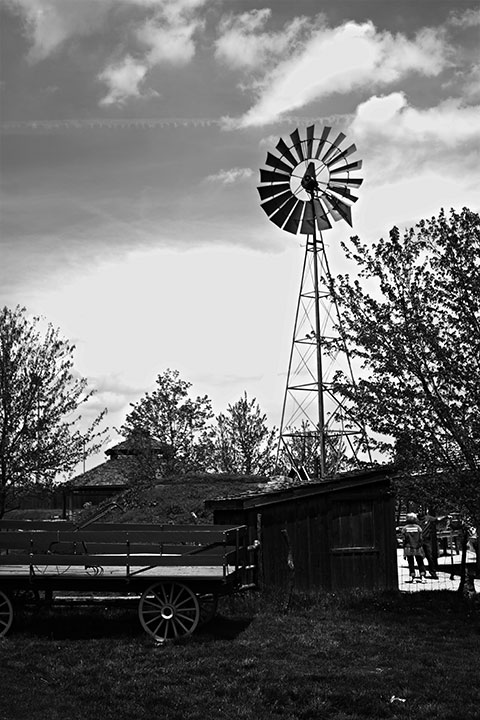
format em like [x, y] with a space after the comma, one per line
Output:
[243, 442]
[303, 451]
[40, 394]
[171, 416]
[412, 317]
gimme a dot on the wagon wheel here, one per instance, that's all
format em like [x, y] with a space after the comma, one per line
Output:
[6, 614]
[208, 607]
[169, 610]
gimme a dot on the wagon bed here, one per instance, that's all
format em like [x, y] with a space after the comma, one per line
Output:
[176, 572]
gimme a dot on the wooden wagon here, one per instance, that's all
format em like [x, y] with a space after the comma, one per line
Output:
[175, 573]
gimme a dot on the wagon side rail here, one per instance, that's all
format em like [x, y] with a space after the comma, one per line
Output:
[135, 549]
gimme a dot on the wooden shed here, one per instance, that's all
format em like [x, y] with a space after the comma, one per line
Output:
[340, 532]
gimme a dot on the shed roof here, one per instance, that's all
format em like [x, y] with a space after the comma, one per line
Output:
[342, 481]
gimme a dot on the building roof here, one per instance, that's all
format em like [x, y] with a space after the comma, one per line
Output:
[135, 445]
[341, 481]
[112, 473]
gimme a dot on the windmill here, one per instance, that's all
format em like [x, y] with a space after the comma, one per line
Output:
[306, 186]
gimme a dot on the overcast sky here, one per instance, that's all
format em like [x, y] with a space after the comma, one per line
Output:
[132, 135]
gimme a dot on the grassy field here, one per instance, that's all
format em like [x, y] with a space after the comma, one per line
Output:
[335, 657]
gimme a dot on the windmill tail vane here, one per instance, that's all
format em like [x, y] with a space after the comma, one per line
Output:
[307, 186]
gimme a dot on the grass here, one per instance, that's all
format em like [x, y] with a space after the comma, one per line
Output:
[176, 498]
[332, 657]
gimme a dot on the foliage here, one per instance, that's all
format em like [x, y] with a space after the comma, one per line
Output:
[303, 451]
[180, 422]
[243, 442]
[412, 317]
[143, 458]
[39, 395]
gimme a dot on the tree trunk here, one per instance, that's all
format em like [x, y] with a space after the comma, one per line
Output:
[463, 561]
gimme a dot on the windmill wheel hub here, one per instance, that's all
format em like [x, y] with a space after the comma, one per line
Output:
[307, 177]
[309, 183]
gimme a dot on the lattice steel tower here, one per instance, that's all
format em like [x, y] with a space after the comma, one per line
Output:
[308, 184]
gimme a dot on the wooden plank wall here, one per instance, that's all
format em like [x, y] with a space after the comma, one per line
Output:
[339, 539]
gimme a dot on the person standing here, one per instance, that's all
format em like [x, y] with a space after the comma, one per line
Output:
[429, 523]
[413, 546]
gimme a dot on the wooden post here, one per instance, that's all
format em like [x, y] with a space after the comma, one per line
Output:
[291, 567]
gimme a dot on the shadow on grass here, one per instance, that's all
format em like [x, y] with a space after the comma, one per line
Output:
[103, 623]
[223, 628]
[77, 624]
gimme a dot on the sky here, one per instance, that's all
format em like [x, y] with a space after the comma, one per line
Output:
[132, 133]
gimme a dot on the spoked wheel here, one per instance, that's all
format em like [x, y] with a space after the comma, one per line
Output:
[169, 610]
[6, 614]
[208, 607]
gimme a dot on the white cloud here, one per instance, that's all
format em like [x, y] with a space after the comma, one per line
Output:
[416, 160]
[165, 33]
[468, 18]
[338, 60]
[167, 37]
[403, 201]
[471, 82]
[172, 43]
[241, 45]
[124, 80]
[49, 23]
[449, 123]
[228, 177]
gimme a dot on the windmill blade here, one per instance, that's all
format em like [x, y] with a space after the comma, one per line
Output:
[276, 202]
[352, 166]
[341, 155]
[321, 142]
[277, 163]
[297, 144]
[308, 220]
[282, 214]
[335, 147]
[286, 153]
[312, 214]
[294, 220]
[321, 216]
[344, 192]
[356, 182]
[267, 191]
[294, 190]
[342, 208]
[272, 177]
[332, 210]
[310, 133]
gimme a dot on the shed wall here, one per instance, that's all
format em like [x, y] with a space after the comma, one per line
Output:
[339, 539]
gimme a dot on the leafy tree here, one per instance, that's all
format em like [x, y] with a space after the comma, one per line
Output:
[171, 416]
[243, 442]
[304, 452]
[39, 395]
[412, 317]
